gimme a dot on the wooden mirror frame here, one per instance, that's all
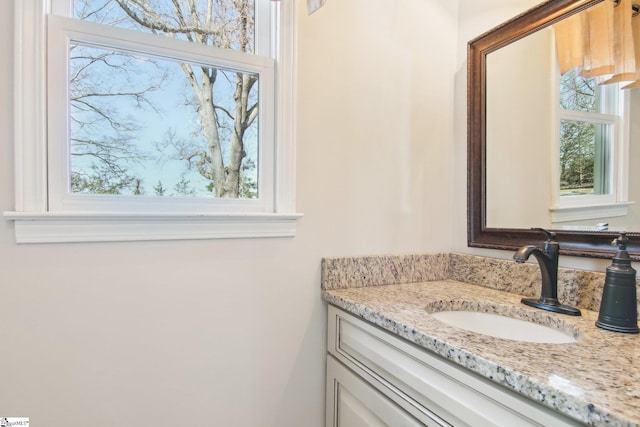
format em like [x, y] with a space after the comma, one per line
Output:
[578, 243]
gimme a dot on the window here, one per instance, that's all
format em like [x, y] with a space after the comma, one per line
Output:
[592, 140]
[153, 120]
[588, 117]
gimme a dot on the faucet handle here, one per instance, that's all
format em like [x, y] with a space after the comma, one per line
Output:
[621, 241]
[550, 234]
[551, 246]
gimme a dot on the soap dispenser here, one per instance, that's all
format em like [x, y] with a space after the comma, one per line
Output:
[619, 307]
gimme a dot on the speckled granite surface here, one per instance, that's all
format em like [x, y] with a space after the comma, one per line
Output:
[575, 287]
[355, 272]
[596, 380]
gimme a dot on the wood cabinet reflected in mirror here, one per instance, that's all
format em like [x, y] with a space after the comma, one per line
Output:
[511, 129]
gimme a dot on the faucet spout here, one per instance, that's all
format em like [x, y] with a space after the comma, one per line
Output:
[547, 258]
[524, 253]
[548, 262]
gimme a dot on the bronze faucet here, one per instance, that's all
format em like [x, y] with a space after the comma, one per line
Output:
[548, 261]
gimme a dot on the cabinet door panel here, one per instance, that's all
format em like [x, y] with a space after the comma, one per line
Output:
[352, 412]
[351, 402]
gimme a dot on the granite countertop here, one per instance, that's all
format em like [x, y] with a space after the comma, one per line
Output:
[595, 380]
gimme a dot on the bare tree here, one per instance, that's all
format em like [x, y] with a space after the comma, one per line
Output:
[217, 149]
[226, 24]
[100, 133]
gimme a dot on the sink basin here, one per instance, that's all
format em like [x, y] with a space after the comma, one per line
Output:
[504, 327]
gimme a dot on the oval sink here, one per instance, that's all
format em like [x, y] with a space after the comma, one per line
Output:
[503, 327]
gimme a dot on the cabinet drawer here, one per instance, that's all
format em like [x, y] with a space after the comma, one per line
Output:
[428, 381]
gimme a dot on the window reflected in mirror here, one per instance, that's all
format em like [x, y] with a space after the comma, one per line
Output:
[589, 116]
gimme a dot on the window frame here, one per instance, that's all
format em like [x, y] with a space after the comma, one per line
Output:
[36, 222]
[597, 206]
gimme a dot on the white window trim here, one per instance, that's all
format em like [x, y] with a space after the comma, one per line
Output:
[67, 31]
[35, 223]
[591, 211]
[596, 206]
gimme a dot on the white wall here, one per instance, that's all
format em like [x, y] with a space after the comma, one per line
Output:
[231, 332]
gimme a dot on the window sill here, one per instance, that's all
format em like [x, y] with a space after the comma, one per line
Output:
[577, 213]
[38, 227]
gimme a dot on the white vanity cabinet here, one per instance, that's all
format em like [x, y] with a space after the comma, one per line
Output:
[375, 378]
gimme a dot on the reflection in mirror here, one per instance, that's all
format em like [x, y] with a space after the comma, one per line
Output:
[564, 141]
[550, 145]
[520, 131]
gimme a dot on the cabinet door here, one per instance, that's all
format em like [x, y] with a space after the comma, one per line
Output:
[351, 402]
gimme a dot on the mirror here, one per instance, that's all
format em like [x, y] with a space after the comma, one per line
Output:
[511, 131]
